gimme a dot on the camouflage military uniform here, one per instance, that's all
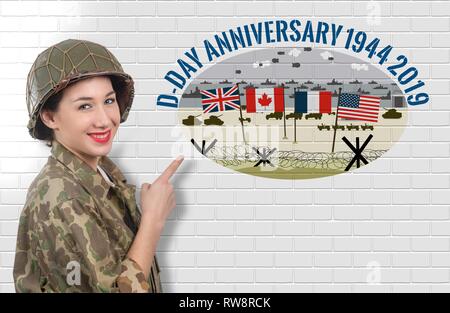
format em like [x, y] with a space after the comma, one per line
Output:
[72, 213]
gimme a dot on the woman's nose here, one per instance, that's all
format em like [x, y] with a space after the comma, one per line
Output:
[101, 117]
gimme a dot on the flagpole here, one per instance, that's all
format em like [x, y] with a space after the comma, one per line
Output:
[336, 122]
[242, 119]
[284, 116]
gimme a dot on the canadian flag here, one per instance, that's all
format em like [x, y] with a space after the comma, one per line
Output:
[264, 99]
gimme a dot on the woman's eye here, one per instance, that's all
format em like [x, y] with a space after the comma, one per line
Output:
[111, 99]
[83, 105]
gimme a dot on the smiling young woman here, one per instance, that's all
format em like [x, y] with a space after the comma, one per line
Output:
[80, 229]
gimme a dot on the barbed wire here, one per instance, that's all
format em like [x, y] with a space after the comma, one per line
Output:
[241, 154]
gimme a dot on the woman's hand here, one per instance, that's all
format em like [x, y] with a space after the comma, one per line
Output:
[158, 199]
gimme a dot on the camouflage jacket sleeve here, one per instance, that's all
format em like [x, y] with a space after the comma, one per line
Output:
[69, 251]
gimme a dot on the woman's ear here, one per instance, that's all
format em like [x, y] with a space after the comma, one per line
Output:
[48, 118]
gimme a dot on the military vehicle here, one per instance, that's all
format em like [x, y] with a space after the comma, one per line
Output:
[275, 115]
[322, 127]
[214, 120]
[247, 119]
[192, 120]
[294, 115]
[366, 126]
[341, 127]
[391, 113]
[317, 116]
[351, 126]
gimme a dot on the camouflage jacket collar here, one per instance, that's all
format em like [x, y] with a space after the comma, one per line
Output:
[90, 179]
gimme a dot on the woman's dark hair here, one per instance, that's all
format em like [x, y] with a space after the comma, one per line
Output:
[42, 131]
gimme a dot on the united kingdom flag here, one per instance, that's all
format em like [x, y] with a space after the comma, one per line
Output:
[221, 99]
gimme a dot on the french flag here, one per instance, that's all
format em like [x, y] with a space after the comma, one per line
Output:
[312, 102]
[264, 99]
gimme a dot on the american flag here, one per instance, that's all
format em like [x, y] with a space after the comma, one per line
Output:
[220, 99]
[355, 107]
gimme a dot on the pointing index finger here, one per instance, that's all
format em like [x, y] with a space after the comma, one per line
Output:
[172, 168]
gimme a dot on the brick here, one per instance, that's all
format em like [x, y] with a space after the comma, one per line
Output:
[285, 8]
[327, 8]
[137, 40]
[371, 259]
[411, 260]
[235, 181]
[352, 244]
[195, 24]
[371, 228]
[372, 197]
[234, 244]
[256, 259]
[273, 244]
[411, 197]
[313, 275]
[332, 259]
[197, 275]
[293, 228]
[136, 9]
[404, 40]
[430, 244]
[268, 275]
[430, 275]
[214, 259]
[254, 228]
[440, 40]
[293, 197]
[430, 24]
[287, 259]
[250, 8]
[313, 244]
[431, 181]
[215, 228]
[430, 212]
[440, 197]
[411, 228]
[420, 8]
[78, 24]
[333, 197]
[216, 8]
[268, 213]
[391, 181]
[391, 244]
[254, 197]
[353, 212]
[235, 212]
[335, 228]
[194, 244]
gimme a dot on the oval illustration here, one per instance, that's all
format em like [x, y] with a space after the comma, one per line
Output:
[292, 113]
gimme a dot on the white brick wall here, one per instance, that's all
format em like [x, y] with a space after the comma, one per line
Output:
[236, 233]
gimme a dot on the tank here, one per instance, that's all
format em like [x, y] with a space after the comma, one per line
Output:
[316, 116]
[192, 120]
[275, 115]
[322, 127]
[247, 119]
[294, 115]
[351, 126]
[366, 126]
[392, 113]
[214, 120]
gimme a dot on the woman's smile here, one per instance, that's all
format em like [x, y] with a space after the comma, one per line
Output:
[101, 137]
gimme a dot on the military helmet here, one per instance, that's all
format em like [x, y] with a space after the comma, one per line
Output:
[67, 62]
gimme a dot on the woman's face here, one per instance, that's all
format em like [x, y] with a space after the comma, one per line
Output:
[87, 118]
